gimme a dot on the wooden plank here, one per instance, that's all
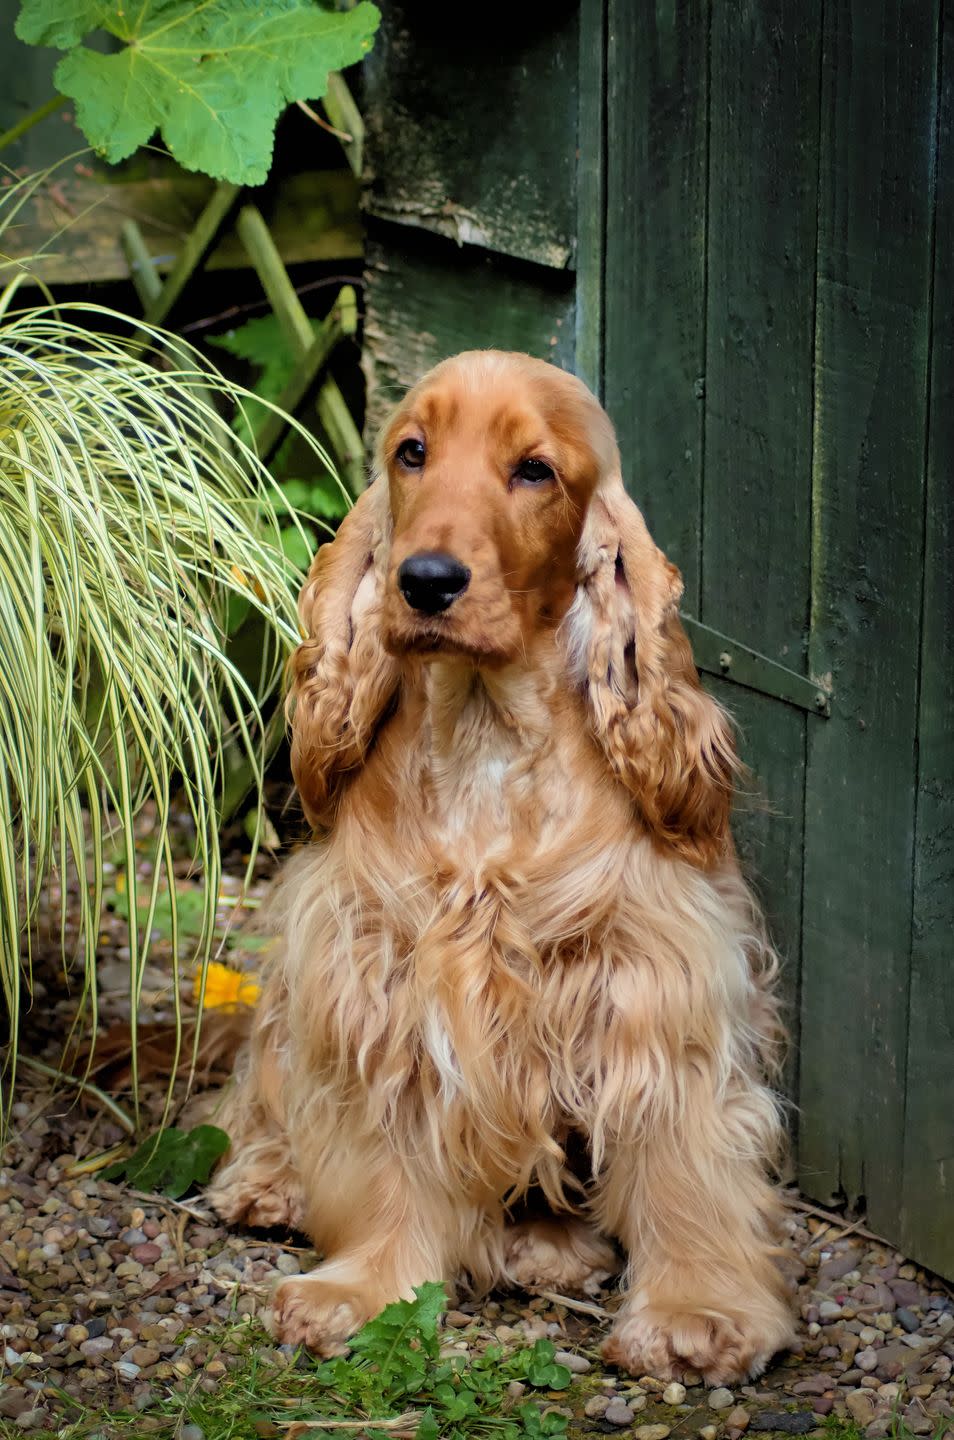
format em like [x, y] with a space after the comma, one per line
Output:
[765, 58]
[927, 1217]
[871, 339]
[476, 141]
[591, 193]
[76, 222]
[656, 88]
[756, 492]
[426, 299]
[767, 824]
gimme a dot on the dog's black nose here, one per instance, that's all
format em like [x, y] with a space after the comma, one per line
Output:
[430, 581]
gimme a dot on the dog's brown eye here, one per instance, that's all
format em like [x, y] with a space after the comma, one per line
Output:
[411, 453]
[533, 472]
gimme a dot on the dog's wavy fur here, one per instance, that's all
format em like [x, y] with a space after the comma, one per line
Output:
[522, 923]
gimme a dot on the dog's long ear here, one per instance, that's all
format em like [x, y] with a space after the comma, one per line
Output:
[342, 678]
[667, 741]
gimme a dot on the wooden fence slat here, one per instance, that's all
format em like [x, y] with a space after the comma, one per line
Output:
[871, 337]
[655, 263]
[760, 292]
[927, 1216]
[591, 194]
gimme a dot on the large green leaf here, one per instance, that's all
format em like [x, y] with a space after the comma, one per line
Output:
[213, 77]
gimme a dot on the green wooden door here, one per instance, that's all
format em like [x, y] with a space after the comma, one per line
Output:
[734, 218]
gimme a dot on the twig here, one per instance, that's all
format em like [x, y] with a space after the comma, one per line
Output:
[320, 120]
[408, 1422]
[87, 1086]
[204, 1216]
[832, 1217]
[49, 107]
[585, 1307]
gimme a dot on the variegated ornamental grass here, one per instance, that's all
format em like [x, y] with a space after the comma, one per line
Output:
[129, 518]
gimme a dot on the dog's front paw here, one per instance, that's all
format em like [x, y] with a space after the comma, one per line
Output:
[263, 1206]
[321, 1314]
[724, 1348]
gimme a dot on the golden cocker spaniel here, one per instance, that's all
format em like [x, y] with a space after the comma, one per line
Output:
[522, 929]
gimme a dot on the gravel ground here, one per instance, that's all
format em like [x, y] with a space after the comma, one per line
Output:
[110, 1299]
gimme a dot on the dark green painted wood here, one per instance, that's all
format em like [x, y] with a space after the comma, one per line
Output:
[875, 208]
[763, 179]
[655, 263]
[471, 129]
[722, 655]
[591, 194]
[927, 1216]
[427, 299]
[767, 825]
[764, 63]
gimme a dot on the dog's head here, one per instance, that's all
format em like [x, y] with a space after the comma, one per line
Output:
[490, 463]
[498, 516]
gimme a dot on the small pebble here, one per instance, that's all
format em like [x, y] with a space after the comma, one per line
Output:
[190, 1432]
[907, 1320]
[720, 1399]
[708, 1432]
[674, 1394]
[617, 1412]
[595, 1407]
[651, 1432]
[578, 1364]
[860, 1406]
[738, 1418]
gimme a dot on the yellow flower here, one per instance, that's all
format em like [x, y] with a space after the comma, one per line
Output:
[225, 986]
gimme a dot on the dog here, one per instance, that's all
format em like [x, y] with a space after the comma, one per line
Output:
[521, 928]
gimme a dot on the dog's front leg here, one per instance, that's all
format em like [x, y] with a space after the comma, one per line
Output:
[689, 1199]
[381, 1230]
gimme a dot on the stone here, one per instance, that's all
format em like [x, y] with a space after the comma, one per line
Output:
[708, 1432]
[829, 1310]
[867, 1360]
[860, 1406]
[617, 1412]
[720, 1399]
[127, 1370]
[578, 1364]
[738, 1418]
[95, 1348]
[146, 1254]
[190, 1432]
[595, 1407]
[674, 1394]
[907, 1320]
[651, 1432]
[813, 1385]
[787, 1422]
[823, 1405]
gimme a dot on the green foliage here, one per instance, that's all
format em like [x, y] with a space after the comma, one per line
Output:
[395, 1367]
[213, 77]
[130, 518]
[172, 1161]
[262, 344]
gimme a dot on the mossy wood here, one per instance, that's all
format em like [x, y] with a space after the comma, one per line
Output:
[750, 256]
